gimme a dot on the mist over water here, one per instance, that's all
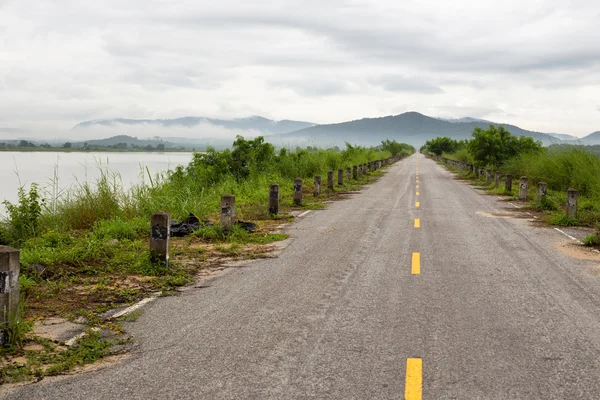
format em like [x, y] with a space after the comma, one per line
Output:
[22, 168]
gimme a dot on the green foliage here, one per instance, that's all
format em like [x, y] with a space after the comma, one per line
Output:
[563, 220]
[17, 327]
[88, 349]
[496, 145]
[563, 168]
[441, 145]
[120, 229]
[591, 240]
[395, 148]
[24, 217]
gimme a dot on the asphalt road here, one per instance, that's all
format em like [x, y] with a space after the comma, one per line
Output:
[364, 305]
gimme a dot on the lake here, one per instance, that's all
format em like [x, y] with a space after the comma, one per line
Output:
[22, 168]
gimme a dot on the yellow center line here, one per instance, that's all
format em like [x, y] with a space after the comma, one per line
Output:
[413, 389]
[416, 264]
[417, 223]
[417, 193]
[417, 204]
[417, 186]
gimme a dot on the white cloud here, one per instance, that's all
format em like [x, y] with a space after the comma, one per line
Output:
[534, 64]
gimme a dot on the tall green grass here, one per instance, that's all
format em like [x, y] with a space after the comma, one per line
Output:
[563, 168]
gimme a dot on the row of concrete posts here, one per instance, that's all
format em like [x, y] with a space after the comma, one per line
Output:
[572, 194]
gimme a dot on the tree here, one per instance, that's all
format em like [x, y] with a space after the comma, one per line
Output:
[441, 145]
[160, 147]
[496, 145]
[25, 143]
[67, 145]
[396, 148]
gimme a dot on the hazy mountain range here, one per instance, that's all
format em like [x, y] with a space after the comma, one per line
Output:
[410, 127]
[254, 123]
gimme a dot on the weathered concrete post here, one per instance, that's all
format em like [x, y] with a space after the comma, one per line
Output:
[274, 199]
[572, 195]
[508, 183]
[227, 211]
[365, 169]
[360, 170]
[340, 177]
[523, 188]
[298, 191]
[317, 190]
[541, 193]
[497, 178]
[348, 173]
[330, 180]
[355, 172]
[9, 289]
[488, 176]
[160, 237]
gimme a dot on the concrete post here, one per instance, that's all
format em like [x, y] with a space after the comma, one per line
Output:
[317, 190]
[274, 199]
[330, 180]
[360, 170]
[297, 191]
[355, 172]
[572, 195]
[227, 211]
[541, 193]
[523, 188]
[365, 169]
[508, 183]
[9, 289]
[340, 177]
[497, 179]
[348, 173]
[488, 176]
[160, 237]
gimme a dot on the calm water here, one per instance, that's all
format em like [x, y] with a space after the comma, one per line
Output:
[21, 169]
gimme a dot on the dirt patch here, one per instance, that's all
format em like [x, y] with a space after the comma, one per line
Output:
[575, 250]
[521, 215]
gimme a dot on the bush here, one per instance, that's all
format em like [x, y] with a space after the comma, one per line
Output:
[23, 217]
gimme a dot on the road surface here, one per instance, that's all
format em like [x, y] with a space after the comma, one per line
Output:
[377, 297]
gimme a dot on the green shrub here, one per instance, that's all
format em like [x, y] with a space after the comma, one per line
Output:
[591, 240]
[563, 220]
[24, 216]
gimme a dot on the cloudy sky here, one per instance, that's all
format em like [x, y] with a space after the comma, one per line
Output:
[530, 63]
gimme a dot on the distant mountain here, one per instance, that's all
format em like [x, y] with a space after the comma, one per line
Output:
[411, 127]
[465, 119]
[591, 139]
[562, 136]
[128, 140]
[12, 130]
[255, 123]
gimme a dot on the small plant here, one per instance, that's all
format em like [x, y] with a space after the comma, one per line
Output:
[547, 204]
[24, 217]
[563, 220]
[17, 327]
[591, 240]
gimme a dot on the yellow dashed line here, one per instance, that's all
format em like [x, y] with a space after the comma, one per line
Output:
[413, 389]
[417, 223]
[417, 204]
[416, 264]
[417, 193]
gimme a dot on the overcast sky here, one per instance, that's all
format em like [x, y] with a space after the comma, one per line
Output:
[530, 63]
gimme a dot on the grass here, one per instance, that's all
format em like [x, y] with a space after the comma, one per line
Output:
[562, 168]
[54, 360]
